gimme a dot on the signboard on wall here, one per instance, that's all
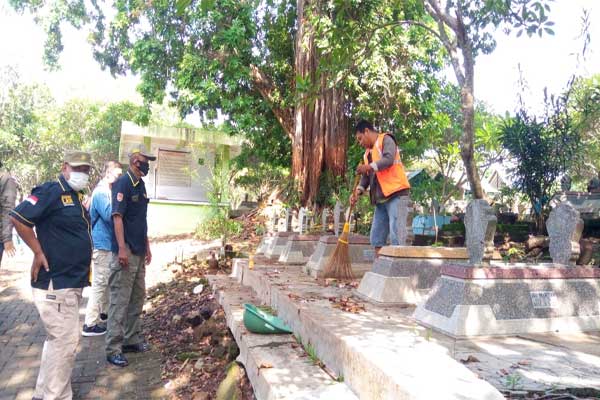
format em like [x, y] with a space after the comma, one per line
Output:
[174, 168]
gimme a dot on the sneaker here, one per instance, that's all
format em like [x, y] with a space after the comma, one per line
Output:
[94, 330]
[118, 360]
[103, 317]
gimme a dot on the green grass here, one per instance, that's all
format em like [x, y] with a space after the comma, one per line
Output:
[513, 381]
[310, 351]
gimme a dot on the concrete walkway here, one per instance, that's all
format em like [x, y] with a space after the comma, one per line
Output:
[22, 336]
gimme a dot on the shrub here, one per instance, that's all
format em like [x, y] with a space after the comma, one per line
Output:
[218, 226]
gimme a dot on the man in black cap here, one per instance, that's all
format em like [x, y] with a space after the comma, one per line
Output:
[62, 249]
[127, 276]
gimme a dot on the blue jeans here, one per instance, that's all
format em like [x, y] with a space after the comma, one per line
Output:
[385, 222]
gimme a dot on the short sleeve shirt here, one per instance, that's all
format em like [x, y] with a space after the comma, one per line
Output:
[130, 201]
[63, 229]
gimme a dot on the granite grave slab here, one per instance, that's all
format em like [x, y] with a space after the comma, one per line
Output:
[277, 245]
[509, 300]
[298, 249]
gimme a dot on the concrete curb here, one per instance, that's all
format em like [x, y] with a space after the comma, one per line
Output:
[376, 361]
[277, 368]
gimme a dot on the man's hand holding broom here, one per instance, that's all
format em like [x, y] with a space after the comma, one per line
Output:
[362, 169]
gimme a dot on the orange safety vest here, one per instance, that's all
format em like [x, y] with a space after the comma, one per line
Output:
[392, 179]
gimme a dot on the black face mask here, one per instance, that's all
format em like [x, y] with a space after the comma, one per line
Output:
[144, 167]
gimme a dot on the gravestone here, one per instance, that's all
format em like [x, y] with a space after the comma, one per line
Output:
[302, 220]
[272, 226]
[277, 245]
[285, 223]
[299, 249]
[564, 227]
[324, 224]
[480, 226]
[405, 219]
[337, 218]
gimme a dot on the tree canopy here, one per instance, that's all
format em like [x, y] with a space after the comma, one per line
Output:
[35, 130]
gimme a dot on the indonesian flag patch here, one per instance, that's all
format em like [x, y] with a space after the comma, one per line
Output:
[32, 199]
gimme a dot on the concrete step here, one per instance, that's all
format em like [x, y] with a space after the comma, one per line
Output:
[380, 354]
[276, 365]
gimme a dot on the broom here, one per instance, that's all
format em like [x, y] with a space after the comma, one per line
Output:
[339, 266]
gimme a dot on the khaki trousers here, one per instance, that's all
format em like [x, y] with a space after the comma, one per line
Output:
[98, 301]
[127, 294]
[59, 312]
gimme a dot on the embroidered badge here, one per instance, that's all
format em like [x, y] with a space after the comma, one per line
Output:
[51, 297]
[135, 197]
[67, 200]
[32, 199]
[119, 196]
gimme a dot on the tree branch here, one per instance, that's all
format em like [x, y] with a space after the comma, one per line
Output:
[450, 45]
[434, 8]
[267, 89]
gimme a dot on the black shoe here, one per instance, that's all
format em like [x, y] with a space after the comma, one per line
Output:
[103, 317]
[117, 359]
[94, 330]
[136, 348]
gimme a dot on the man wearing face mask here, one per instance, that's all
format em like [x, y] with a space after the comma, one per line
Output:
[60, 270]
[127, 276]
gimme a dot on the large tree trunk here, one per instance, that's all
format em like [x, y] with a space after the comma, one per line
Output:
[321, 127]
[467, 139]
[465, 76]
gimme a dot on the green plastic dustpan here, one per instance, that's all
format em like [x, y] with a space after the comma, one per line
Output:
[258, 321]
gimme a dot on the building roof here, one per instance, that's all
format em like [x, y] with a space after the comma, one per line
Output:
[193, 135]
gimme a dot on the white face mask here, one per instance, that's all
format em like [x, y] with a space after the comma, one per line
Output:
[78, 180]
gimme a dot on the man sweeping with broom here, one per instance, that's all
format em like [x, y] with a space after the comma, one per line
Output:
[384, 174]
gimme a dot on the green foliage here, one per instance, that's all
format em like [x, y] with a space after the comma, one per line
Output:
[542, 149]
[260, 179]
[584, 104]
[513, 381]
[35, 131]
[387, 70]
[219, 189]
[427, 192]
[218, 225]
[453, 228]
[513, 229]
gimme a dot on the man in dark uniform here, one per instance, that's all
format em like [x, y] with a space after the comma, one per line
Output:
[61, 265]
[127, 276]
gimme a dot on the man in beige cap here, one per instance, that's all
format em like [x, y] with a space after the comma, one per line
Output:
[60, 270]
[127, 276]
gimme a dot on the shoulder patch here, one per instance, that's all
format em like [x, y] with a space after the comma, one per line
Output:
[32, 199]
[67, 200]
[119, 196]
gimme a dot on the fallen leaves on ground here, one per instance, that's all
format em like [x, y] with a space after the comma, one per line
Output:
[190, 332]
[339, 283]
[347, 304]
[470, 359]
